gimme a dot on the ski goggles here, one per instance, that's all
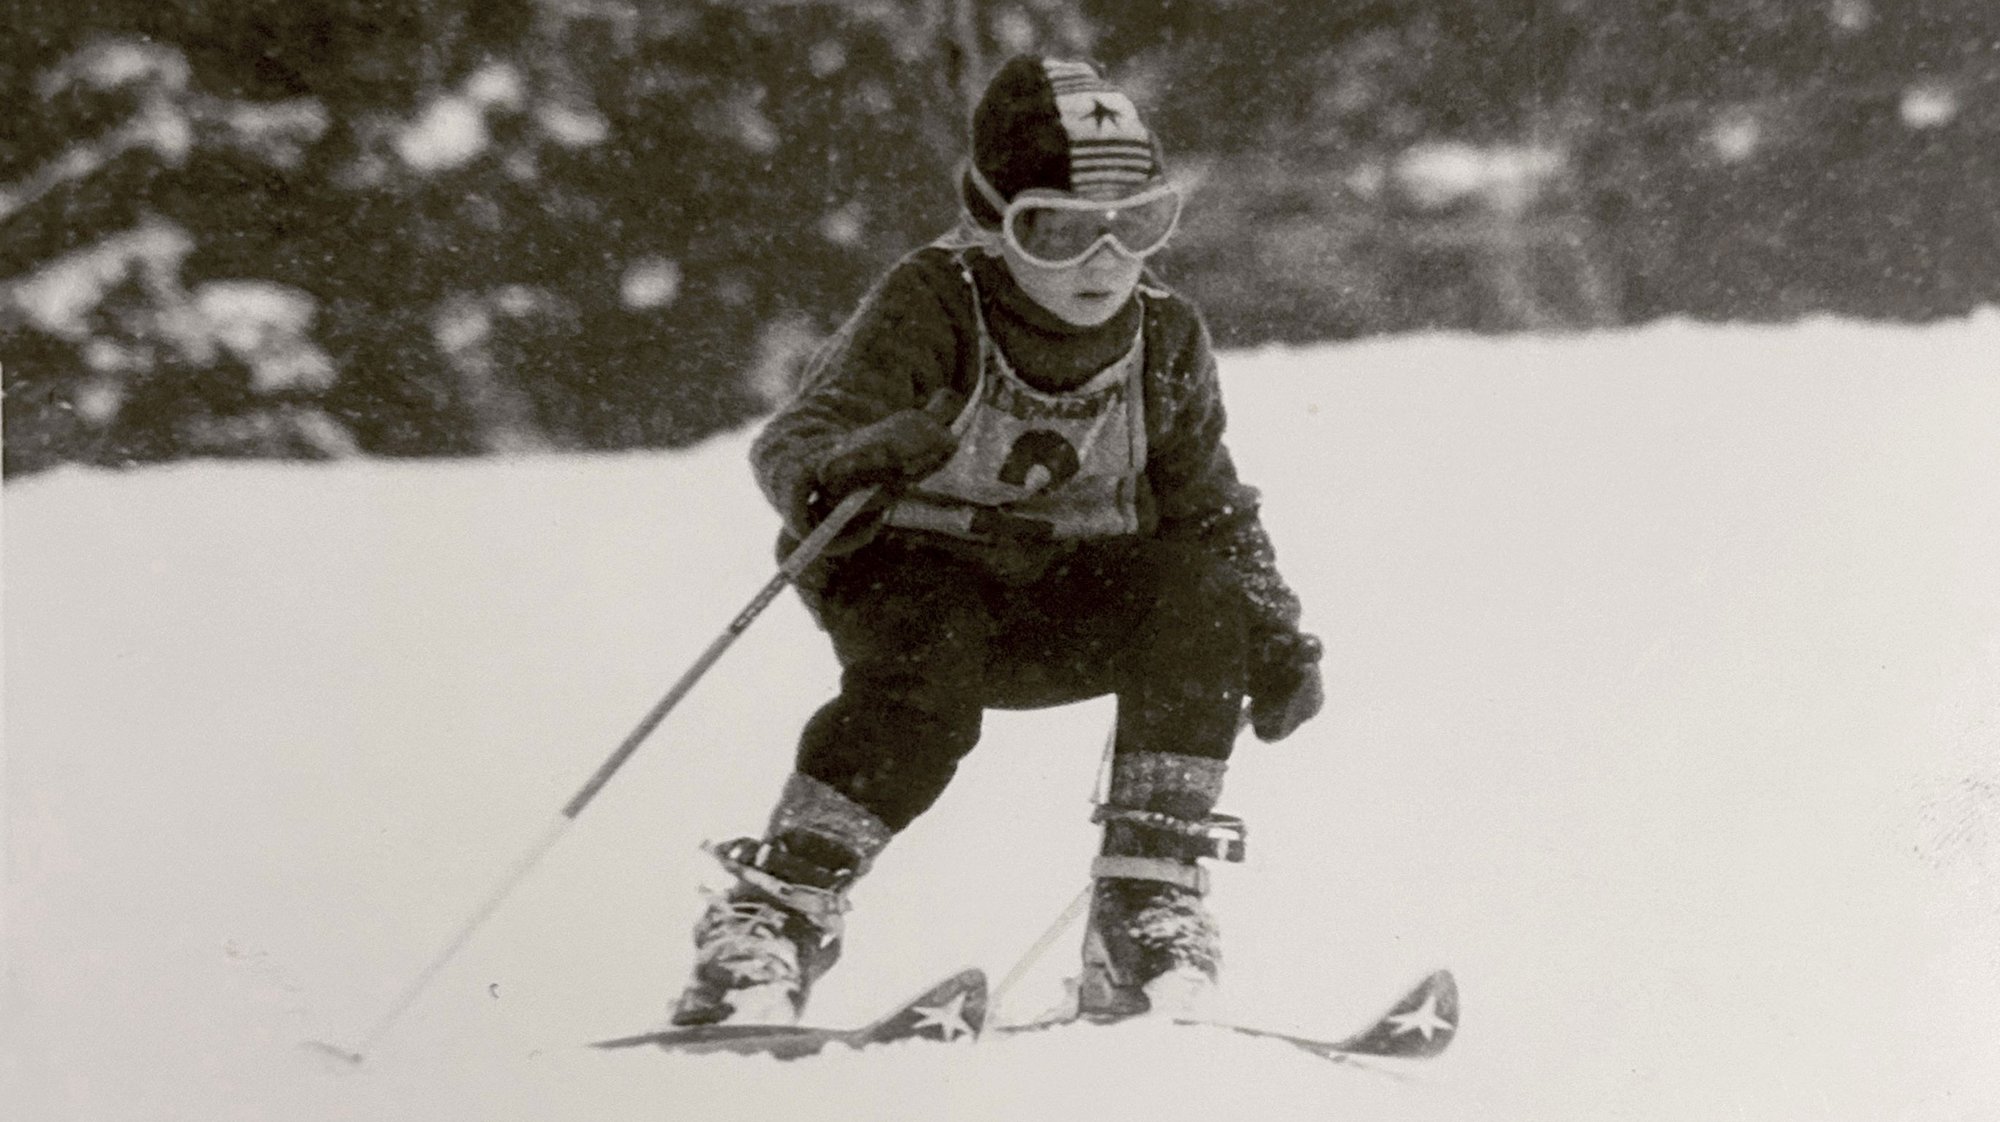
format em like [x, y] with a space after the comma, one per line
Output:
[1056, 231]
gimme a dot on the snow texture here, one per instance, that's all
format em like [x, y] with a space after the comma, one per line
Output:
[1663, 710]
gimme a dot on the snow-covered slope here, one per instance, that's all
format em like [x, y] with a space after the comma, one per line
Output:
[1665, 674]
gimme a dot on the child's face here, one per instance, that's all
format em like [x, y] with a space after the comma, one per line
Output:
[1086, 293]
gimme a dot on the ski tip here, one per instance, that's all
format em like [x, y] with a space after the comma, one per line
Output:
[953, 1009]
[1419, 1026]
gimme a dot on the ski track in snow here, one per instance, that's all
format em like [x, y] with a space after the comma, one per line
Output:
[1663, 710]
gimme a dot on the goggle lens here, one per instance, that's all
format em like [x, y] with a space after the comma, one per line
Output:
[1055, 235]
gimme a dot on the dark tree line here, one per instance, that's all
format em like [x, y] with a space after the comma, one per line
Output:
[320, 228]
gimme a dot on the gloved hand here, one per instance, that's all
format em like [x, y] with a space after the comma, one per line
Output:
[908, 444]
[1285, 686]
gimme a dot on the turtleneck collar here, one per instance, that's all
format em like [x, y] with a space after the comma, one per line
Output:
[1047, 351]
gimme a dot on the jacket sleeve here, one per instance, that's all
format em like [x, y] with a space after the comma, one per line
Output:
[1199, 496]
[901, 345]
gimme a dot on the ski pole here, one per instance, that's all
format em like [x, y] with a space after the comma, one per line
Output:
[794, 564]
[1100, 794]
[1034, 953]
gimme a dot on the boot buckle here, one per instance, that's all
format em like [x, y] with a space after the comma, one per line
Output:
[746, 860]
[1222, 837]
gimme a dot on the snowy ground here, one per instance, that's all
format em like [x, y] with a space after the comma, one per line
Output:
[1665, 674]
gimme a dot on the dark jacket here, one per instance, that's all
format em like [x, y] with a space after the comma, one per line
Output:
[916, 333]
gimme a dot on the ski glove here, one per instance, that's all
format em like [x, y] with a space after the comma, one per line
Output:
[905, 445]
[1285, 686]
[908, 444]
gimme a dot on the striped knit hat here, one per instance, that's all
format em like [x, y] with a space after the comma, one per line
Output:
[1057, 125]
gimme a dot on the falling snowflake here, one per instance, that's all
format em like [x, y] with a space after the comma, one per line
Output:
[650, 282]
[1927, 106]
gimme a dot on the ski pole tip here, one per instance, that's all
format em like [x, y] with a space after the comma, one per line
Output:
[332, 1051]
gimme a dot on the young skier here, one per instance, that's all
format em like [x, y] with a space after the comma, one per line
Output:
[1061, 520]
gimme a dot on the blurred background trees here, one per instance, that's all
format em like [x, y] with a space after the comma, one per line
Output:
[324, 228]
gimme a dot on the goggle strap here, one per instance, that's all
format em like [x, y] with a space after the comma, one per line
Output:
[1000, 205]
[986, 190]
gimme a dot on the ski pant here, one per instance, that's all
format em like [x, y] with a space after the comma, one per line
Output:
[929, 639]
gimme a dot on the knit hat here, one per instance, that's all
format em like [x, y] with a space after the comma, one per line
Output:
[1060, 126]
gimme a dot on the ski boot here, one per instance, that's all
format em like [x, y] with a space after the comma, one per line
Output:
[761, 945]
[1151, 945]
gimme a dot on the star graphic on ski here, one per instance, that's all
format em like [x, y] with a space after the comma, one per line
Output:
[948, 1019]
[1424, 1019]
[1100, 113]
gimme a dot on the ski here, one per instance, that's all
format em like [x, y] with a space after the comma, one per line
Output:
[1419, 1026]
[952, 1010]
